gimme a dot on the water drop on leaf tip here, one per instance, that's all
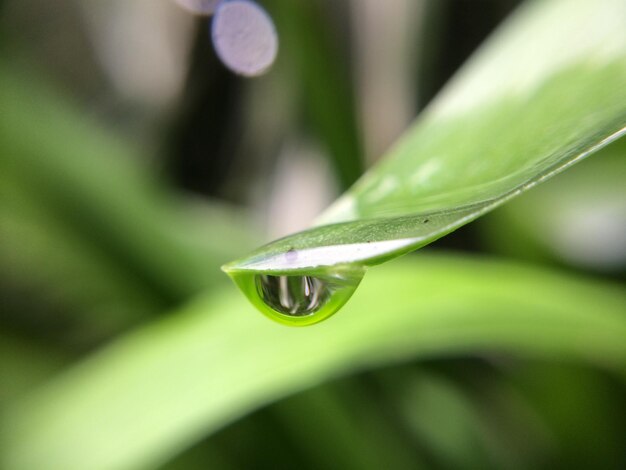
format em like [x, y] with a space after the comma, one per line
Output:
[298, 299]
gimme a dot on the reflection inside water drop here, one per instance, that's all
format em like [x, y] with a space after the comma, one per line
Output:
[293, 295]
[300, 298]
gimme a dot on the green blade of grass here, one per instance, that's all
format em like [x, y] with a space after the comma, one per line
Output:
[546, 91]
[155, 392]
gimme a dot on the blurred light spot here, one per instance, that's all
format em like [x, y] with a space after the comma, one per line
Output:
[142, 46]
[343, 209]
[593, 236]
[426, 171]
[244, 37]
[386, 34]
[301, 188]
[382, 189]
[199, 7]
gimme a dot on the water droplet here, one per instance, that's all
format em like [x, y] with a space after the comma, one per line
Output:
[302, 298]
[199, 7]
[244, 37]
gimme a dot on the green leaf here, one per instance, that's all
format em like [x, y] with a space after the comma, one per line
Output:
[153, 393]
[546, 91]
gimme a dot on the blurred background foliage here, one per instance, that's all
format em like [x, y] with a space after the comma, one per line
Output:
[132, 165]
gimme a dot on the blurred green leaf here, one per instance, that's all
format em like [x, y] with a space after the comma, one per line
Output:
[93, 180]
[443, 419]
[25, 365]
[339, 418]
[85, 225]
[538, 97]
[41, 254]
[585, 411]
[143, 399]
[308, 44]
